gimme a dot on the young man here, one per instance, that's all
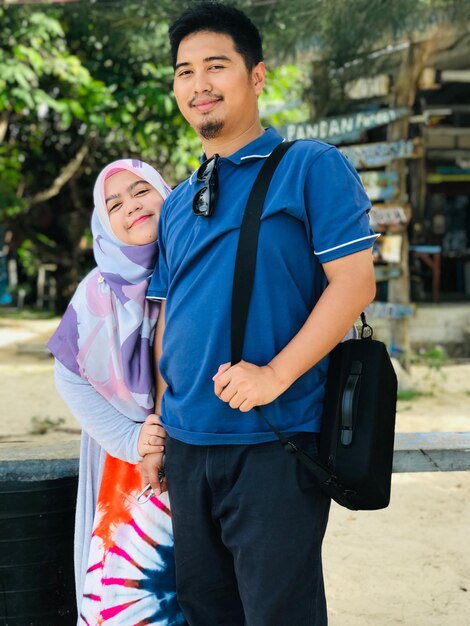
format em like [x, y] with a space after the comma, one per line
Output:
[248, 519]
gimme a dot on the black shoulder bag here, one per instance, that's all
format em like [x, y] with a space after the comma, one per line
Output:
[354, 464]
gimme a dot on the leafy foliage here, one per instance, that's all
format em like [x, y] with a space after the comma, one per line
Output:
[51, 109]
[347, 30]
[74, 98]
[86, 83]
[82, 85]
[345, 39]
[43, 90]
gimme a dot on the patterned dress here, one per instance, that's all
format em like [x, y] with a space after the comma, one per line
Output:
[130, 580]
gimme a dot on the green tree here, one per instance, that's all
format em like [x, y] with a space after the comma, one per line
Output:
[81, 85]
[74, 97]
[50, 107]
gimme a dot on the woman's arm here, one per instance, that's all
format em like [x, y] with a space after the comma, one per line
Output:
[117, 434]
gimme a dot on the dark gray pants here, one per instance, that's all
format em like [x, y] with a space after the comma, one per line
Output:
[249, 522]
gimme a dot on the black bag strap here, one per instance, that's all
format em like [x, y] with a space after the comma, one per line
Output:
[244, 273]
[245, 260]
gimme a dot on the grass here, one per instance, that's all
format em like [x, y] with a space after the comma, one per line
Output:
[435, 358]
[26, 314]
[42, 425]
[411, 394]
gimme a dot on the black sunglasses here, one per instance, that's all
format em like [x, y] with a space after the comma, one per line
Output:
[205, 199]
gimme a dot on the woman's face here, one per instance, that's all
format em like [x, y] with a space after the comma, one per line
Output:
[133, 207]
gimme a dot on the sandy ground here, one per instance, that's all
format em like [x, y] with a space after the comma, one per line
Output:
[408, 564]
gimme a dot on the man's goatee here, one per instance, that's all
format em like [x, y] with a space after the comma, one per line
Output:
[210, 130]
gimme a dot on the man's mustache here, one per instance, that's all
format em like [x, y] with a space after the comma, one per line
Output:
[208, 96]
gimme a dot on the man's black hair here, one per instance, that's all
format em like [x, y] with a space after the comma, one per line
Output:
[225, 19]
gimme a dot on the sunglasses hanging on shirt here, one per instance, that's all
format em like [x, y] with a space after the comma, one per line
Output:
[205, 199]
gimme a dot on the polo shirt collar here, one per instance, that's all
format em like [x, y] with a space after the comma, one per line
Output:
[257, 149]
[260, 148]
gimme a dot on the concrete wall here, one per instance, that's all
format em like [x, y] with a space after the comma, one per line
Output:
[447, 325]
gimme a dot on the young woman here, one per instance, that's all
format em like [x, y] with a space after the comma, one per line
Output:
[124, 562]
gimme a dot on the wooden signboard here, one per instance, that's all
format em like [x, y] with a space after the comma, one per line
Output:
[371, 87]
[382, 153]
[386, 216]
[380, 185]
[344, 126]
[436, 178]
[390, 248]
[389, 310]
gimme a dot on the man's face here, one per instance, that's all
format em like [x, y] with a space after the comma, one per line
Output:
[214, 90]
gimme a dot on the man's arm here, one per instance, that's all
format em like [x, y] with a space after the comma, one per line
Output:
[160, 384]
[351, 287]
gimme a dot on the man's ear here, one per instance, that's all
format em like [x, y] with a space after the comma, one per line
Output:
[258, 76]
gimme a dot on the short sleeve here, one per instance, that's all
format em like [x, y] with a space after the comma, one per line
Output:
[158, 285]
[337, 208]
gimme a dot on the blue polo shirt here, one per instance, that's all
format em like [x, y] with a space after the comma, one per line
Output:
[315, 211]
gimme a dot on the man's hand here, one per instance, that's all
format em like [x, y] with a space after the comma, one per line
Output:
[152, 471]
[245, 385]
[151, 437]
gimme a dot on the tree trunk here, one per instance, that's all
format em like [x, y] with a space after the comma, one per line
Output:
[69, 271]
[414, 61]
[4, 117]
[319, 91]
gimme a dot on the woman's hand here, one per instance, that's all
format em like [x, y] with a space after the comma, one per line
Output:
[152, 471]
[152, 436]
